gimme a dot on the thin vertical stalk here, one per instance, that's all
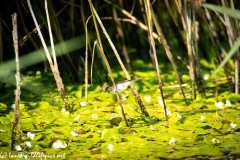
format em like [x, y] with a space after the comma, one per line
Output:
[237, 54]
[52, 64]
[153, 51]
[121, 35]
[163, 41]
[88, 47]
[105, 60]
[221, 53]
[16, 127]
[231, 40]
[24, 26]
[1, 41]
[134, 90]
[110, 74]
[145, 22]
[170, 10]
[58, 31]
[72, 18]
[215, 80]
[187, 16]
[50, 35]
[86, 61]
[195, 36]
[86, 70]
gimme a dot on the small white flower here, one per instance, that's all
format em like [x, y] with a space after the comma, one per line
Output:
[13, 106]
[206, 77]
[228, 103]
[77, 118]
[74, 134]
[233, 125]
[83, 104]
[179, 116]
[219, 105]
[118, 107]
[30, 135]
[202, 118]
[94, 116]
[64, 111]
[215, 140]
[147, 98]
[28, 144]
[18, 148]
[161, 102]
[172, 141]
[98, 131]
[59, 144]
[168, 112]
[110, 147]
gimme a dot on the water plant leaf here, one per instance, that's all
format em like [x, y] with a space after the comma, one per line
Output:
[129, 131]
[5, 120]
[199, 138]
[34, 126]
[148, 119]
[51, 122]
[80, 131]
[79, 93]
[233, 97]
[206, 127]
[115, 121]
[95, 151]
[204, 107]
[225, 121]
[210, 101]
[108, 133]
[55, 130]
[43, 144]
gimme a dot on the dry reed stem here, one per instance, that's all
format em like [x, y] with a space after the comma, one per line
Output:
[135, 93]
[16, 127]
[153, 51]
[53, 66]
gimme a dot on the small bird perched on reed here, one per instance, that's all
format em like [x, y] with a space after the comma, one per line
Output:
[120, 86]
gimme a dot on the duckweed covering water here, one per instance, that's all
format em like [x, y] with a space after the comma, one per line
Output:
[96, 129]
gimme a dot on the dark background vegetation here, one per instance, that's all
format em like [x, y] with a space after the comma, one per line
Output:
[67, 14]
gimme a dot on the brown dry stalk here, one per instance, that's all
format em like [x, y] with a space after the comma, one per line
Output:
[16, 127]
[53, 64]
